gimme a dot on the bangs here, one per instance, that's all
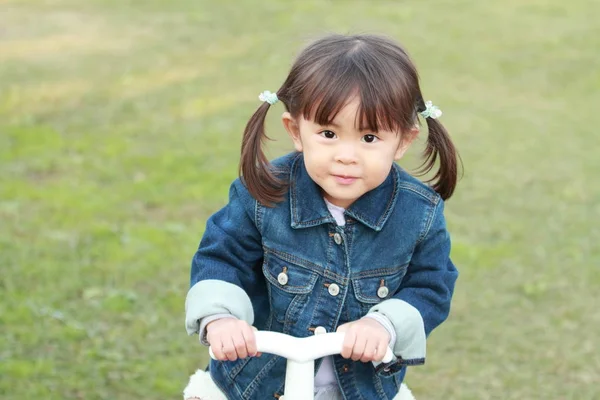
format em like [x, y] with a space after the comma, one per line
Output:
[385, 96]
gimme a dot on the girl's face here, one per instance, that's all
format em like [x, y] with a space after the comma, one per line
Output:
[343, 160]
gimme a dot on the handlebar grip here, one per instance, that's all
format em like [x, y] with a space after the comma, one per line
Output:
[302, 349]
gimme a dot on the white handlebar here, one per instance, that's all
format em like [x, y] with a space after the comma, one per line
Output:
[303, 349]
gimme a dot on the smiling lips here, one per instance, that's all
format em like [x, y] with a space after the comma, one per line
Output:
[344, 179]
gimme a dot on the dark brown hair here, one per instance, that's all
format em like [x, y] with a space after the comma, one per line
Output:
[324, 77]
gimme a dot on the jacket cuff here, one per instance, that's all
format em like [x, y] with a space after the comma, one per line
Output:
[210, 297]
[410, 345]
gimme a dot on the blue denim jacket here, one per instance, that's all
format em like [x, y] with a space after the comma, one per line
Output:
[392, 257]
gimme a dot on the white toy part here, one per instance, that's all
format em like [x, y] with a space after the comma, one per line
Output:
[300, 354]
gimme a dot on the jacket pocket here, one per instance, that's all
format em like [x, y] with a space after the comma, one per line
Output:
[290, 285]
[373, 287]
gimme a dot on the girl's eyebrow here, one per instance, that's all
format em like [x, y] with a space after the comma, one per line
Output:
[328, 125]
[333, 124]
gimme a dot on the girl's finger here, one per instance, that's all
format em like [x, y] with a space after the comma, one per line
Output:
[359, 347]
[229, 349]
[250, 340]
[217, 349]
[348, 345]
[240, 345]
[370, 350]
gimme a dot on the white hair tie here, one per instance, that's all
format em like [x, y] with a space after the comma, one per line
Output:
[269, 97]
[431, 111]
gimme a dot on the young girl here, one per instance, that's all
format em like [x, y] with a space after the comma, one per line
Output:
[333, 237]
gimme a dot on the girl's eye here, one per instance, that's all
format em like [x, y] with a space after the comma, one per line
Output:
[327, 134]
[370, 138]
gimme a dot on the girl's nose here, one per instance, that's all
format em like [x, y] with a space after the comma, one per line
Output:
[346, 154]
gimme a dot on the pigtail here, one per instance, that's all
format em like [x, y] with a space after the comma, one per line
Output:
[440, 145]
[255, 169]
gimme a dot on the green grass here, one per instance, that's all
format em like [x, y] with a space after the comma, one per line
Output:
[120, 124]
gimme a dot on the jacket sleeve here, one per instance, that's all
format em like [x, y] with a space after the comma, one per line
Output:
[423, 300]
[223, 267]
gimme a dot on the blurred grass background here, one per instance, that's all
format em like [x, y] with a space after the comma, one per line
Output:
[120, 124]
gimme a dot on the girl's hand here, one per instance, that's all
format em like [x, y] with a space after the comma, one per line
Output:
[230, 339]
[366, 340]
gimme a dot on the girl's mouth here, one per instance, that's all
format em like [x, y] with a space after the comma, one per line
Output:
[345, 180]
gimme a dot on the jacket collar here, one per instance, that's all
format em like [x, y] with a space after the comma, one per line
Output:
[309, 209]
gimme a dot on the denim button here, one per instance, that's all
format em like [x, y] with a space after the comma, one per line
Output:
[337, 238]
[382, 292]
[282, 278]
[334, 289]
[319, 330]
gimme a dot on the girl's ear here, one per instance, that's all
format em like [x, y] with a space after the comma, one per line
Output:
[407, 139]
[292, 127]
